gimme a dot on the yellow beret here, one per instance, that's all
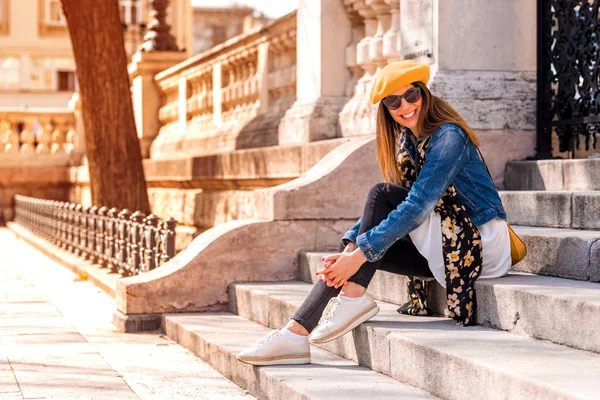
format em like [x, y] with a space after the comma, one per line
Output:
[397, 74]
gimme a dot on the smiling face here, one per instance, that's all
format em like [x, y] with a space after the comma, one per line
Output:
[408, 113]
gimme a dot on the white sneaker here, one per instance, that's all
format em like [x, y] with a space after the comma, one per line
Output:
[340, 317]
[276, 349]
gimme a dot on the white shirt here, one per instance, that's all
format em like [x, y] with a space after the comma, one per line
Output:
[495, 242]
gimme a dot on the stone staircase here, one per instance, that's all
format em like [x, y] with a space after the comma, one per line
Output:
[537, 338]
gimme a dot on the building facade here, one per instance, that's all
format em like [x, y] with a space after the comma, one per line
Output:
[37, 68]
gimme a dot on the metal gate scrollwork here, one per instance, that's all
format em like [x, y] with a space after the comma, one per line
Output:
[568, 74]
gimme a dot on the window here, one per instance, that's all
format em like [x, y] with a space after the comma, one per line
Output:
[66, 81]
[54, 13]
[10, 73]
[131, 12]
[219, 34]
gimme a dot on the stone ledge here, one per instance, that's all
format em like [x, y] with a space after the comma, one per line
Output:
[581, 174]
[101, 277]
[247, 169]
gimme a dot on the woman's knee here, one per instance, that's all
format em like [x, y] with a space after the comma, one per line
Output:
[387, 190]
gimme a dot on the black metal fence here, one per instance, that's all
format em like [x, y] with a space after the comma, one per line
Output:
[568, 74]
[126, 242]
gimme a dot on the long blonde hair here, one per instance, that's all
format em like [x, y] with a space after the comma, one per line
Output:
[435, 112]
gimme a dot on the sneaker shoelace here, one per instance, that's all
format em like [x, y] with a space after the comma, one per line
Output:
[330, 310]
[266, 338]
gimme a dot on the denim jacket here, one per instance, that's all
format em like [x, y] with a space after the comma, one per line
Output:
[450, 158]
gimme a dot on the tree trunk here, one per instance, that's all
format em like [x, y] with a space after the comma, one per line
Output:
[112, 146]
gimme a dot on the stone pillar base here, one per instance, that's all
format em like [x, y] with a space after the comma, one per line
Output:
[137, 322]
[311, 121]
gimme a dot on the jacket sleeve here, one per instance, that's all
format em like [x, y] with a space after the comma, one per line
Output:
[352, 233]
[445, 157]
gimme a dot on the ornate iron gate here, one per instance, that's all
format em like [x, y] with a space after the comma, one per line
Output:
[568, 74]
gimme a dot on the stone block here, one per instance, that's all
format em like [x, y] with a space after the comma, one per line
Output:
[483, 98]
[196, 279]
[563, 311]
[136, 323]
[323, 191]
[539, 208]
[585, 210]
[455, 363]
[534, 175]
[217, 338]
[581, 174]
[515, 145]
[594, 269]
[557, 252]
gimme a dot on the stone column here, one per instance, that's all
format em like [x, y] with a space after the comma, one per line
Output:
[157, 53]
[486, 70]
[324, 31]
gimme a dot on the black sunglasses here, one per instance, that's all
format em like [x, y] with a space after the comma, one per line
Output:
[394, 102]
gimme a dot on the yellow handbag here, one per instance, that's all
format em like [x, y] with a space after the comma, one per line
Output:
[518, 250]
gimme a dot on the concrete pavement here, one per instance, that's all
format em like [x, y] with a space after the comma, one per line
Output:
[57, 341]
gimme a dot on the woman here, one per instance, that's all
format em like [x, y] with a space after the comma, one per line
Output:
[437, 215]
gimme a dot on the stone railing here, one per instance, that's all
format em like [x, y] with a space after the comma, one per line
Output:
[210, 98]
[46, 135]
[122, 241]
[380, 34]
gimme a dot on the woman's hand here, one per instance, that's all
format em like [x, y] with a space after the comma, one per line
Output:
[339, 267]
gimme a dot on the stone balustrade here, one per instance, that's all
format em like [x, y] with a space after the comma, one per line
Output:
[38, 135]
[210, 98]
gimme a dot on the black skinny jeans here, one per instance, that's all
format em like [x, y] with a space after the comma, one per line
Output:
[401, 258]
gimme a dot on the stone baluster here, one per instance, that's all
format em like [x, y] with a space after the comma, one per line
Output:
[83, 231]
[133, 247]
[11, 141]
[100, 237]
[44, 139]
[363, 56]
[382, 12]
[122, 239]
[358, 32]
[150, 236]
[27, 139]
[58, 139]
[392, 40]
[110, 239]
[91, 234]
[168, 240]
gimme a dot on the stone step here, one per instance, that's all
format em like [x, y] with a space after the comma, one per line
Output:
[385, 286]
[563, 311]
[580, 174]
[433, 353]
[556, 209]
[217, 337]
[560, 252]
